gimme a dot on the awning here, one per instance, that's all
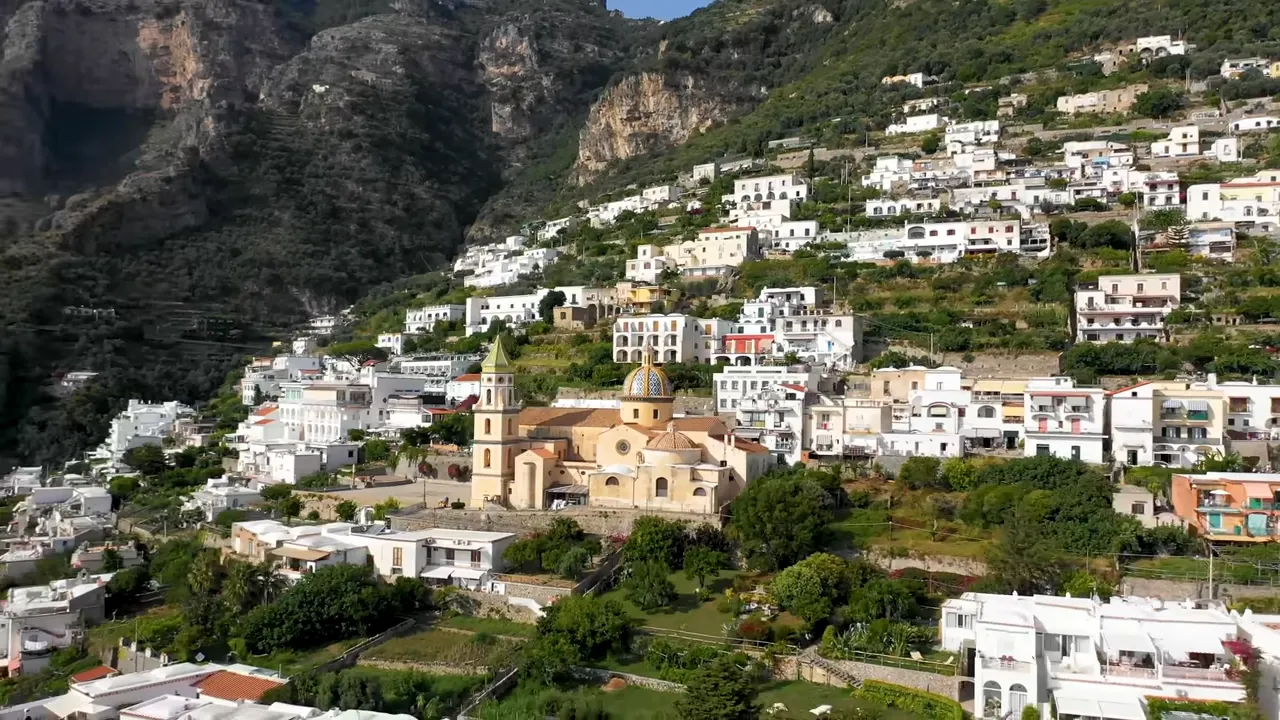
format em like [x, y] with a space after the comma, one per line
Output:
[469, 573]
[1197, 406]
[1219, 491]
[822, 439]
[1188, 642]
[1078, 706]
[1122, 709]
[568, 490]
[1172, 405]
[439, 573]
[298, 553]
[981, 432]
[1131, 639]
[68, 704]
[1258, 490]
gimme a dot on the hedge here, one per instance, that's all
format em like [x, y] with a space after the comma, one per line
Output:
[925, 704]
[1158, 706]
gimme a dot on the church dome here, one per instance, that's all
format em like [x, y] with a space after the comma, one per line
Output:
[647, 381]
[672, 439]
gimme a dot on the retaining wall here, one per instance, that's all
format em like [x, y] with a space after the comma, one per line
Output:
[429, 668]
[931, 563]
[597, 521]
[497, 606]
[603, 676]
[797, 667]
[1177, 590]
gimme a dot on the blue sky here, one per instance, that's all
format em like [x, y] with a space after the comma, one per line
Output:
[661, 9]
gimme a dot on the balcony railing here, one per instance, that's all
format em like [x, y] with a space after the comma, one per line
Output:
[1007, 664]
[1129, 671]
[1197, 673]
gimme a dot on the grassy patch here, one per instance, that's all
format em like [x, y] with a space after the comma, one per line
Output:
[800, 697]
[443, 646]
[493, 626]
[686, 613]
[108, 634]
[292, 662]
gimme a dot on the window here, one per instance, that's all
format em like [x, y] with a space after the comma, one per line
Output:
[886, 387]
[623, 447]
[487, 457]
[699, 492]
[655, 414]
[449, 554]
[660, 488]
[1138, 508]
[1075, 452]
[487, 430]
[635, 414]
[611, 482]
[986, 411]
[397, 557]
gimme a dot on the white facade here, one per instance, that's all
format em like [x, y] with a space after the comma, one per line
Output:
[1064, 421]
[38, 619]
[673, 338]
[1254, 199]
[141, 424]
[221, 494]
[424, 319]
[1264, 123]
[905, 206]
[889, 170]
[648, 265]
[1183, 141]
[1123, 308]
[775, 418]
[461, 388]
[916, 124]
[1090, 659]
[1253, 409]
[1235, 67]
[1161, 190]
[734, 385]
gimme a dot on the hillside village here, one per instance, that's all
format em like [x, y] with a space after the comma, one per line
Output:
[975, 413]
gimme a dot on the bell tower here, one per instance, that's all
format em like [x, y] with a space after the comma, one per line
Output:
[494, 447]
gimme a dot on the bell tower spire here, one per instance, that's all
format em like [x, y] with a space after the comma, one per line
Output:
[493, 449]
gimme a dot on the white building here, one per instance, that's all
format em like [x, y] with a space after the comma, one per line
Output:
[735, 384]
[846, 427]
[1160, 46]
[759, 193]
[648, 265]
[1089, 158]
[1253, 409]
[1264, 123]
[1161, 190]
[323, 325]
[37, 620]
[1064, 420]
[1183, 141]
[913, 107]
[1123, 308]
[424, 319]
[776, 419]
[886, 207]
[141, 424]
[437, 371]
[1235, 67]
[519, 310]
[916, 78]
[930, 422]
[916, 124]
[262, 378]
[1254, 200]
[461, 388]
[673, 338]
[219, 494]
[1089, 659]
[889, 170]
[960, 136]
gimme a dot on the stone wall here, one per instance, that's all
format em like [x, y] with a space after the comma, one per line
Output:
[603, 676]
[1178, 590]
[930, 563]
[798, 668]
[429, 668]
[596, 521]
[541, 594]
[496, 606]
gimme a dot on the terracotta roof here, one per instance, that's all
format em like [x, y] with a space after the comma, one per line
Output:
[440, 411]
[469, 377]
[708, 425]
[228, 685]
[468, 403]
[751, 447]
[797, 388]
[92, 674]
[583, 417]
[266, 421]
[543, 453]
[265, 409]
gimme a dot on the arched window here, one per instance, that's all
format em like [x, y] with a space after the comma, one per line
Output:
[986, 411]
[915, 233]
[488, 397]
[838, 323]
[660, 488]
[488, 455]
[699, 492]
[486, 426]
[510, 431]
[1017, 699]
[611, 482]
[991, 700]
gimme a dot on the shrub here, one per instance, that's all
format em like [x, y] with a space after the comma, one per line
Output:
[919, 702]
[753, 628]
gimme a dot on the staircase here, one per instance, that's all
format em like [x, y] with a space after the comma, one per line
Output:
[811, 656]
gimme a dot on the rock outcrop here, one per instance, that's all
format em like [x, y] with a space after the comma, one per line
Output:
[648, 112]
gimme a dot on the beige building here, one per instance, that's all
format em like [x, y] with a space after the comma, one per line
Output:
[847, 427]
[715, 251]
[637, 456]
[1169, 423]
[1119, 100]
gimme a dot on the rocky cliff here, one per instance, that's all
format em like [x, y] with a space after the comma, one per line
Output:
[648, 112]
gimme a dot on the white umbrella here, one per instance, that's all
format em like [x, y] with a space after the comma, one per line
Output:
[821, 710]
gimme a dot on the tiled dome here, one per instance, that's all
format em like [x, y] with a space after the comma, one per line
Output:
[647, 381]
[672, 439]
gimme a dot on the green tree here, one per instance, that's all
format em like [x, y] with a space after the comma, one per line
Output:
[720, 691]
[648, 585]
[346, 510]
[1081, 583]
[921, 472]
[594, 626]
[147, 459]
[1128, 200]
[959, 474]
[548, 304]
[930, 143]
[1158, 102]
[356, 352]
[291, 507]
[376, 450]
[883, 599]
[653, 538]
[701, 562]
[111, 560]
[781, 518]
[811, 588]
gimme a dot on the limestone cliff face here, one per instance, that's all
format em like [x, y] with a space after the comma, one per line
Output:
[647, 112]
[508, 62]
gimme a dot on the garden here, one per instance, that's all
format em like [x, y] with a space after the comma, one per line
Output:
[448, 647]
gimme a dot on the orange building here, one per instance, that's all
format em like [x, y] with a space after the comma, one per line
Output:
[1229, 506]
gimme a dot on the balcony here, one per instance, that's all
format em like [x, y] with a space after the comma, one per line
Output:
[1007, 664]
[1177, 672]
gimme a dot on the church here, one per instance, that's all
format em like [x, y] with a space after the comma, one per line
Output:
[634, 456]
